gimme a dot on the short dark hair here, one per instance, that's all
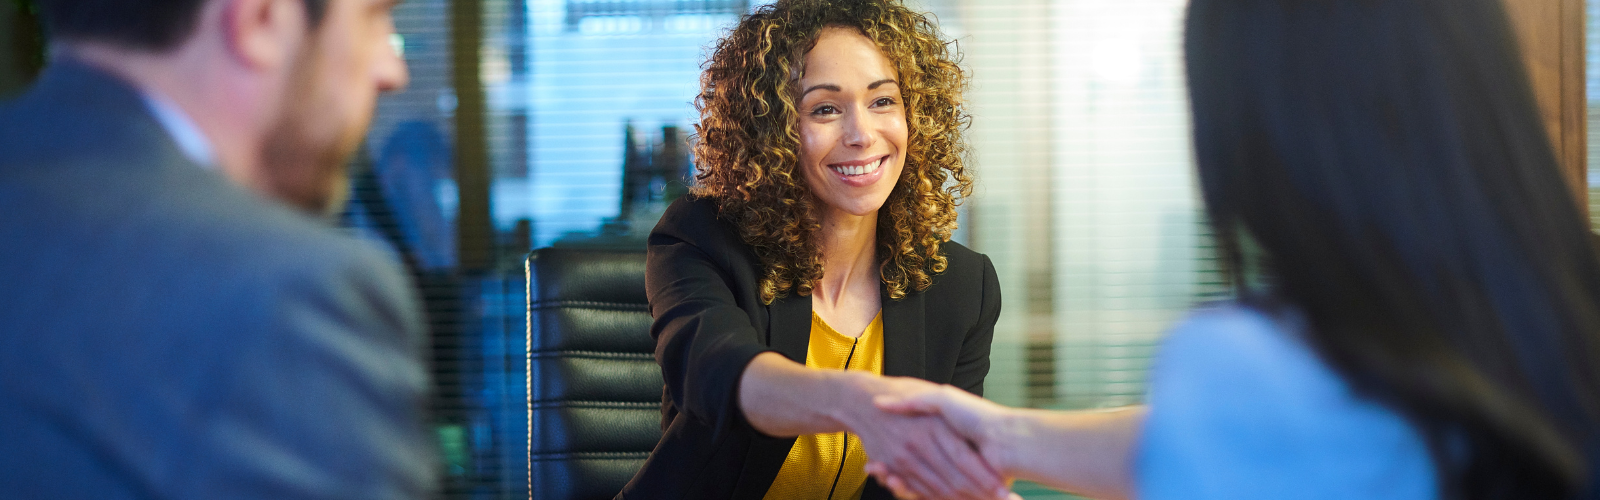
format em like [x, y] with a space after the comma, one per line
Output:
[154, 25]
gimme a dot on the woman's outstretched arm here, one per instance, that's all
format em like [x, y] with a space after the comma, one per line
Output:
[717, 370]
[782, 398]
[1086, 452]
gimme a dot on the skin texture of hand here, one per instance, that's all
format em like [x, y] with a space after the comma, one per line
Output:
[972, 417]
[1086, 452]
[782, 398]
[929, 459]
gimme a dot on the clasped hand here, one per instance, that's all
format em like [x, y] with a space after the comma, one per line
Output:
[933, 421]
[914, 451]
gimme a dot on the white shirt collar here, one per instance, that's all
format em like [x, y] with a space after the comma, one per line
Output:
[190, 140]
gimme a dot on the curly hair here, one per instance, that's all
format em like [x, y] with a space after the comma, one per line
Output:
[746, 144]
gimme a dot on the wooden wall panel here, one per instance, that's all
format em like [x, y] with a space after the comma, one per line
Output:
[1551, 36]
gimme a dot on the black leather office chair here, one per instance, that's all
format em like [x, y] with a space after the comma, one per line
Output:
[594, 390]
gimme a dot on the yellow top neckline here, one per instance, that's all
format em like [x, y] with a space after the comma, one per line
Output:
[874, 326]
[831, 465]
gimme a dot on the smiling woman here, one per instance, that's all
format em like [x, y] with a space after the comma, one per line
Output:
[799, 282]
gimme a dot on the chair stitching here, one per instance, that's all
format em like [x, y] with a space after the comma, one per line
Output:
[580, 455]
[546, 354]
[589, 304]
[563, 403]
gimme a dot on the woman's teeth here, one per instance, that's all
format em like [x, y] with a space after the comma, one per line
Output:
[860, 169]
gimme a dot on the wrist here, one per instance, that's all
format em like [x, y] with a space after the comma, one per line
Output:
[1003, 436]
[852, 396]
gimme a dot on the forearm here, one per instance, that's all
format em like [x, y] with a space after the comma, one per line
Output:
[1085, 452]
[782, 398]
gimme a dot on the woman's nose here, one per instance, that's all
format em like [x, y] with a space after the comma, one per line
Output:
[858, 130]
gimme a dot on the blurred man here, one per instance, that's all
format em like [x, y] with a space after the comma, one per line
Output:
[176, 321]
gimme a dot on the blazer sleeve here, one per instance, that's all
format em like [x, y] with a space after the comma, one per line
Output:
[972, 365]
[704, 340]
[325, 399]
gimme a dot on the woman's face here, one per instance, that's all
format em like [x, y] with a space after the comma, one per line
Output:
[852, 123]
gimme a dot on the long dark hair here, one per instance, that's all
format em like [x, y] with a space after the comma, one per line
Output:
[1387, 159]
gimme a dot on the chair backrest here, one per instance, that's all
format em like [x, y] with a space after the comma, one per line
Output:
[594, 389]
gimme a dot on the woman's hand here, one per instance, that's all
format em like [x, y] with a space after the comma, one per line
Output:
[927, 458]
[974, 419]
[1088, 452]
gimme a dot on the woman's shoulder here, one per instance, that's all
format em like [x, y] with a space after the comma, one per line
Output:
[688, 212]
[958, 253]
[965, 290]
[1237, 395]
[1233, 330]
[1235, 348]
[695, 220]
[965, 267]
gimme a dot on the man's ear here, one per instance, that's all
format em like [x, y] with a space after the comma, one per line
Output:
[264, 34]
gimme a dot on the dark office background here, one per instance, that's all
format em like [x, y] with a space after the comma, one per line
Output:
[21, 45]
[532, 123]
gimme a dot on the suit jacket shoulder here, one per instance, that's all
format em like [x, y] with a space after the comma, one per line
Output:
[189, 321]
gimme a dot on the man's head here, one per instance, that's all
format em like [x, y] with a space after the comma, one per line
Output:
[155, 26]
[283, 89]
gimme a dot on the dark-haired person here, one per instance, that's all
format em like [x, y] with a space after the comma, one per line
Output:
[811, 269]
[177, 318]
[1432, 327]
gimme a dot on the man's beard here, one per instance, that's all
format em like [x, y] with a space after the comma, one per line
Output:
[305, 160]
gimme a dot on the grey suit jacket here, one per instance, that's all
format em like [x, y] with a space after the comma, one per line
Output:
[164, 334]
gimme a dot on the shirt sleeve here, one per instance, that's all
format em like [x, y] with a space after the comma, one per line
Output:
[1241, 409]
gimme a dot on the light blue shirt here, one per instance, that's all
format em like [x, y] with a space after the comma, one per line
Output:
[1241, 408]
[190, 140]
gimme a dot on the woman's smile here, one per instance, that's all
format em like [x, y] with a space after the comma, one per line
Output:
[853, 132]
[860, 173]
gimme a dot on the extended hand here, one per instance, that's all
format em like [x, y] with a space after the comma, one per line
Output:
[973, 418]
[925, 457]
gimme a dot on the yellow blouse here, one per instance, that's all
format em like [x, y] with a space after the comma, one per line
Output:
[813, 466]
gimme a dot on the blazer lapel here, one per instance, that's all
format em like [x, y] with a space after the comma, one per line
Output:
[904, 336]
[789, 327]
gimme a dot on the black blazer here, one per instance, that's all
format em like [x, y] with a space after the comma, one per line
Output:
[710, 322]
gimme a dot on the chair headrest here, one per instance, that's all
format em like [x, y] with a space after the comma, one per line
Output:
[586, 275]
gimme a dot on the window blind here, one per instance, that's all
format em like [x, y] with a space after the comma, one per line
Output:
[1085, 199]
[1592, 91]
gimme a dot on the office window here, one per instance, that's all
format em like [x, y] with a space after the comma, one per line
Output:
[1592, 92]
[607, 80]
[1085, 199]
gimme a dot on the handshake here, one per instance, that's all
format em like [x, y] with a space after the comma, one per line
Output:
[930, 441]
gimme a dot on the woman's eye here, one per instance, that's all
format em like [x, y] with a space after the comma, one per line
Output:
[883, 101]
[826, 109]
